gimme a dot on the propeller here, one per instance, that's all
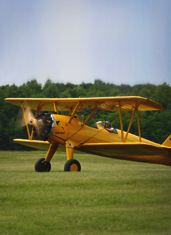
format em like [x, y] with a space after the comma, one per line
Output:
[42, 124]
[28, 119]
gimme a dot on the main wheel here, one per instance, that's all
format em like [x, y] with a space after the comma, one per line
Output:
[72, 165]
[42, 165]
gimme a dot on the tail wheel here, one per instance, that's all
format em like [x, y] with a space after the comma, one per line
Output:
[72, 165]
[42, 165]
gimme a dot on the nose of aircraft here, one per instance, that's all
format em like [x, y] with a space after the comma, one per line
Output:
[44, 125]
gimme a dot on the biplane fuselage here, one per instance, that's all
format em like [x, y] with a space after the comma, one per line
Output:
[76, 134]
[80, 134]
[98, 140]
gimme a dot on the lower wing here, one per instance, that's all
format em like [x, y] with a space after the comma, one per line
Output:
[43, 145]
[131, 151]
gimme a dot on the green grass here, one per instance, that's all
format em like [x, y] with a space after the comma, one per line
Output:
[107, 197]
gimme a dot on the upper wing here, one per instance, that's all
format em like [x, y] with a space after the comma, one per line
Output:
[127, 103]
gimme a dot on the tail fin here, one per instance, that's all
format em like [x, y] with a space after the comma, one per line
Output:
[167, 142]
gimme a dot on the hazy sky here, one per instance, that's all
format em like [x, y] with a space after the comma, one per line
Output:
[117, 41]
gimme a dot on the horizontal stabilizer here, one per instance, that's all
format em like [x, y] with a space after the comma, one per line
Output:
[167, 142]
[43, 145]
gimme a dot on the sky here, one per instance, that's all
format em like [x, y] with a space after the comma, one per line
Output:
[116, 41]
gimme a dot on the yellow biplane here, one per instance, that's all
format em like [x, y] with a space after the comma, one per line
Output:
[53, 129]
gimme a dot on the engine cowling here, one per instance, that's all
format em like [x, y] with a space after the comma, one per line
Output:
[45, 123]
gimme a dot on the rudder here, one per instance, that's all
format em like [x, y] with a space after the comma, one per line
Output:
[167, 142]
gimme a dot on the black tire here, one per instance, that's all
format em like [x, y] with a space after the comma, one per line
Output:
[72, 165]
[42, 165]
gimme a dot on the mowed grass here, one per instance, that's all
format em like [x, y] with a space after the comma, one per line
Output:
[107, 197]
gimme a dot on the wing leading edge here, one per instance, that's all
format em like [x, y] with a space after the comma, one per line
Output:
[126, 103]
[130, 151]
[38, 144]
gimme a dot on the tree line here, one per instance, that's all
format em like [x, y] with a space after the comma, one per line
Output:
[155, 126]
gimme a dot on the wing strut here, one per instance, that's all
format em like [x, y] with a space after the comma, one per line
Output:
[30, 136]
[138, 121]
[89, 116]
[121, 123]
[130, 125]
[25, 119]
[74, 112]
[32, 132]
[55, 107]
[84, 122]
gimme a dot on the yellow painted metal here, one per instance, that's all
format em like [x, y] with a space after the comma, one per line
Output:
[121, 123]
[55, 107]
[89, 116]
[73, 167]
[74, 112]
[135, 151]
[25, 119]
[69, 150]
[104, 103]
[78, 135]
[138, 121]
[167, 142]
[37, 144]
[70, 153]
[32, 133]
[100, 141]
[52, 149]
[130, 125]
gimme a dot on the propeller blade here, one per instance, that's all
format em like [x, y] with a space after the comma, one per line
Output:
[30, 119]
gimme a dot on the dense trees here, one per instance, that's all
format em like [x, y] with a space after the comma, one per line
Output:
[155, 126]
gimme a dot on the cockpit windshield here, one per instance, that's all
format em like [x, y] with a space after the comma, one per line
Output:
[101, 123]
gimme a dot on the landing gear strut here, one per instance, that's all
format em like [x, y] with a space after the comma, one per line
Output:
[42, 165]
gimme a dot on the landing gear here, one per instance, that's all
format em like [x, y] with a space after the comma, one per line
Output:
[42, 165]
[72, 165]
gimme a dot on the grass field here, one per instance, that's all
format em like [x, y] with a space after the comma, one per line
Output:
[107, 197]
